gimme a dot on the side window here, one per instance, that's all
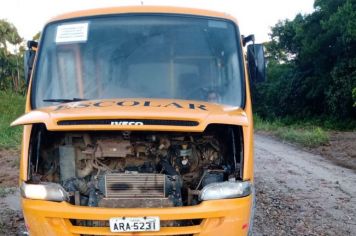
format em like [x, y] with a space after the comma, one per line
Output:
[45, 70]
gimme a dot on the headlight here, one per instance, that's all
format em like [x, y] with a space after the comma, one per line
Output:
[223, 190]
[44, 191]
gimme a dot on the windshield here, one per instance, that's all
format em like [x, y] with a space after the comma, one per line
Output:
[139, 56]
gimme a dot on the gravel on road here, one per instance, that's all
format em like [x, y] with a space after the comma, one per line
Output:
[299, 193]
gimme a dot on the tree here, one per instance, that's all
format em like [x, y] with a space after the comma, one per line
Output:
[37, 36]
[312, 64]
[11, 64]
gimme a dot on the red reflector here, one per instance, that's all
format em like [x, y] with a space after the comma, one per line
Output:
[244, 226]
[27, 225]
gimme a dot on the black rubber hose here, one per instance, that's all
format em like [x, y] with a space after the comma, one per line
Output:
[167, 168]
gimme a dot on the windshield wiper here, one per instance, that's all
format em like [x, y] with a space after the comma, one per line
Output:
[64, 100]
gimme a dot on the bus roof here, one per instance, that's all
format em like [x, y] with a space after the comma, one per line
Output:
[142, 9]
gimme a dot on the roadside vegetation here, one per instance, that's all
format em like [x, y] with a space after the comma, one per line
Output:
[311, 67]
[12, 105]
[4, 191]
[308, 135]
[311, 75]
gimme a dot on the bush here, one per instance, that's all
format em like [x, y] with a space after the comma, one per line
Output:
[312, 66]
[12, 105]
[308, 135]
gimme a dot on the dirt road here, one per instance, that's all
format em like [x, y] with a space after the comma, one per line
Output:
[298, 193]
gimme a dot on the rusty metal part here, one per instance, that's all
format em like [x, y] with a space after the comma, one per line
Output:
[164, 143]
[134, 161]
[86, 170]
[110, 148]
[141, 149]
[191, 194]
[87, 140]
[113, 148]
[120, 185]
[209, 154]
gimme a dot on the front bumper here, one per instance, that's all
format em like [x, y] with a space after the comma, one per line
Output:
[219, 217]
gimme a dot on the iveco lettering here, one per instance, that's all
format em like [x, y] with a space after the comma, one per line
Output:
[126, 123]
[139, 122]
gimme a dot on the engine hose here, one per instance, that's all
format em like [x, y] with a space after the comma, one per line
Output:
[167, 168]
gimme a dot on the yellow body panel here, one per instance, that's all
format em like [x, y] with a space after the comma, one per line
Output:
[168, 109]
[219, 217]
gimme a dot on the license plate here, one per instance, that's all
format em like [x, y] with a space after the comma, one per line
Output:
[134, 224]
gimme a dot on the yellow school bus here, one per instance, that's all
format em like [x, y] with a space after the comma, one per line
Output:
[139, 122]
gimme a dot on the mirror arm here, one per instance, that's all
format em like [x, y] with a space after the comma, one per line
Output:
[29, 58]
[32, 44]
[247, 39]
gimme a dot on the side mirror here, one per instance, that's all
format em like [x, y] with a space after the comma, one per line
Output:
[247, 39]
[29, 58]
[256, 62]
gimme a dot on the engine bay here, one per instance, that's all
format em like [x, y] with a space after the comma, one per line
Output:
[130, 169]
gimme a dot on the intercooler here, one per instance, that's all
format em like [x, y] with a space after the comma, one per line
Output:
[122, 185]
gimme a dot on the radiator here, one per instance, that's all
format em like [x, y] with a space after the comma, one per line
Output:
[120, 185]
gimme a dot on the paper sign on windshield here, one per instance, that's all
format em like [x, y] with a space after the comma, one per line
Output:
[70, 33]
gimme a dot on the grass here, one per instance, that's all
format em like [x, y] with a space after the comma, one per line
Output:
[306, 134]
[11, 106]
[4, 191]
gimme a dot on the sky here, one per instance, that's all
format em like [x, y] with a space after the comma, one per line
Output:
[254, 16]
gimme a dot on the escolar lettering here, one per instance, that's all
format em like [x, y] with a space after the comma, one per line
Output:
[132, 103]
